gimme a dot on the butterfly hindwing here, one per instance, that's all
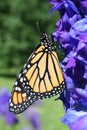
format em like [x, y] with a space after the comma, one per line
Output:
[20, 100]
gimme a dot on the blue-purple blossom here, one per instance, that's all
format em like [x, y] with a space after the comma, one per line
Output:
[32, 116]
[81, 124]
[8, 117]
[79, 30]
[71, 35]
[75, 120]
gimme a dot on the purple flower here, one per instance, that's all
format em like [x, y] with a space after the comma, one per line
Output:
[81, 123]
[82, 5]
[71, 34]
[35, 121]
[75, 120]
[8, 117]
[64, 5]
[79, 30]
[32, 116]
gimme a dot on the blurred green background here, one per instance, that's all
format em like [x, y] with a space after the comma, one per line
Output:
[18, 38]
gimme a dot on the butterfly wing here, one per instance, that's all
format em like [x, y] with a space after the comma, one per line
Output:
[41, 77]
[20, 100]
[22, 95]
[45, 76]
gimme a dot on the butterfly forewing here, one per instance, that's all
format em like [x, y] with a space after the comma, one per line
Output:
[41, 77]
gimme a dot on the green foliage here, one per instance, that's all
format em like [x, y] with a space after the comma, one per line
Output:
[18, 31]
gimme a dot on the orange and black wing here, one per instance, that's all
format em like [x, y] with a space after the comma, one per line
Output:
[41, 77]
[45, 76]
[20, 100]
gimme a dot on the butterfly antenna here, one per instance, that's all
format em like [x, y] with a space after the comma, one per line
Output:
[38, 26]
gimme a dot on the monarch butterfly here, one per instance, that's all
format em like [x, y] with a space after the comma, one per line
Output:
[41, 77]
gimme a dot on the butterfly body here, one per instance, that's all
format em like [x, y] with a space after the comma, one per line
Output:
[41, 77]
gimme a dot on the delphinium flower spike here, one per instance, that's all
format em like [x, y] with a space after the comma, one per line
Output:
[71, 35]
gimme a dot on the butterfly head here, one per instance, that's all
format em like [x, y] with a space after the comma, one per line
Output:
[44, 38]
[47, 42]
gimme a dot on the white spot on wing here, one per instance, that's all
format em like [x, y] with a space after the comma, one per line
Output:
[18, 89]
[33, 55]
[28, 66]
[16, 83]
[21, 80]
[14, 106]
[23, 83]
[19, 75]
[25, 71]
[24, 79]
[29, 97]
[19, 105]
[11, 104]
[11, 109]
